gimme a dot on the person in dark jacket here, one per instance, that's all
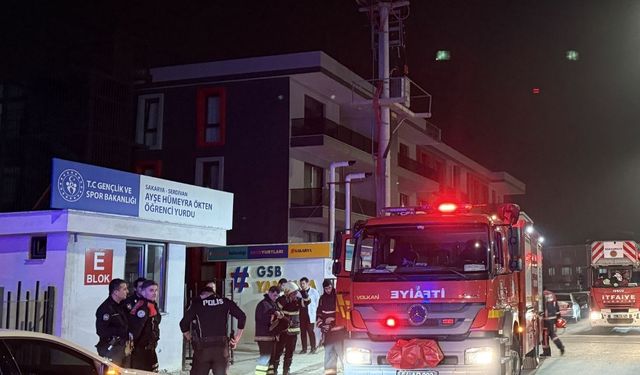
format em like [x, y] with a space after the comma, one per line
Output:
[332, 334]
[144, 324]
[551, 315]
[266, 314]
[112, 326]
[210, 342]
[136, 295]
[289, 304]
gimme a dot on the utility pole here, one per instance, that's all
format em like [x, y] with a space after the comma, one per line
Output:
[332, 194]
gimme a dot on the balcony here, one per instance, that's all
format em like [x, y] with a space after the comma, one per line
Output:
[305, 203]
[309, 132]
[416, 167]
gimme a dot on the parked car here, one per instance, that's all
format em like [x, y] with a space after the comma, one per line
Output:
[24, 352]
[569, 307]
[583, 299]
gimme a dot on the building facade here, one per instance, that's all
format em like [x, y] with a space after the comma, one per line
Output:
[565, 267]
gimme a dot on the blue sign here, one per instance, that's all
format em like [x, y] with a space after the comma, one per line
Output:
[90, 188]
[225, 253]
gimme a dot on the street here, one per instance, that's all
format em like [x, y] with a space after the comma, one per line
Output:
[608, 352]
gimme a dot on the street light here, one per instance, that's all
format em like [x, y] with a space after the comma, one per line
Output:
[347, 196]
[332, 193]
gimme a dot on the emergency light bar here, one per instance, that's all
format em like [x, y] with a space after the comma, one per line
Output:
[443, 207]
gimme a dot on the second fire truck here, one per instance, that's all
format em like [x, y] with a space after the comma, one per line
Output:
[468, 283]
[615, 284]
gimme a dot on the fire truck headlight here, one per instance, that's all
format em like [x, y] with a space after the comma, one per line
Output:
[358, 356]
[479, 356]
[595, 315]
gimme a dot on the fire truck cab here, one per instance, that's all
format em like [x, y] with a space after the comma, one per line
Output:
[615, 284]
[469, 281]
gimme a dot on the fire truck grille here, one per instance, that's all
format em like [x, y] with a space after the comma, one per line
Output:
[448, 360]
[619, 321]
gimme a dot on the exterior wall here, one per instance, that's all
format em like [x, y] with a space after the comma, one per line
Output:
[572, 256]
[316, 270]
[170, 344]
[14, 255]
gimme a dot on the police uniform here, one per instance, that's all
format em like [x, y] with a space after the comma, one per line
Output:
[112, 328]
[265, 337]
[290, 306]
[210, 341]
[131, 301]
[144, 324]
[551, 315]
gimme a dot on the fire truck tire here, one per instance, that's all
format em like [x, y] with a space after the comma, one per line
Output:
[514, 367]
[532, 359]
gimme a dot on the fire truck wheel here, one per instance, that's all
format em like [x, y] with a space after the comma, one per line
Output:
[513, 367]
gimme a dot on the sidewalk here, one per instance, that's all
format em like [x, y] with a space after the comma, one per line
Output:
[246, 355]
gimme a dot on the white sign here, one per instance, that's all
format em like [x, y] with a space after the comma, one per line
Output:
[613, 249]
[170, 201]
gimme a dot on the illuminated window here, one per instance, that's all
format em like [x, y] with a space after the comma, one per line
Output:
[149, 120]
[148, 260]
[566, 271]
[552, 271]
[404, 200]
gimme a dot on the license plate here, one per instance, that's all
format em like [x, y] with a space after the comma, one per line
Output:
[620, 316]
[416, 372]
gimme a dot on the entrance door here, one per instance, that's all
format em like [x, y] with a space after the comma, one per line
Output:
[148, 260]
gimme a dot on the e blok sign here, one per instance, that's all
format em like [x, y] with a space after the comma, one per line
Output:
[98, 266]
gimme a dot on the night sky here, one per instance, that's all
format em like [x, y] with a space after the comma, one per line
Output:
[576, 144]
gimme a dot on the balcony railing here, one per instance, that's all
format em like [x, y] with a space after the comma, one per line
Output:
[315, 197]
[416, 167]
[323, 126]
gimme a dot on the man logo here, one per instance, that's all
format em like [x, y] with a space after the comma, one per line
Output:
[71, 185]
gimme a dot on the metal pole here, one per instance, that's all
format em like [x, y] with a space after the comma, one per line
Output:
[332, 194]
[347, 196]
[383, 183]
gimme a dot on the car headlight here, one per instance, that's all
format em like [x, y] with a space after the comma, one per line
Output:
[358, 356]
[479, 356]
[595, 315]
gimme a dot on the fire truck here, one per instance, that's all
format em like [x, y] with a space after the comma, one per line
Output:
[468, 281]
[615, 284]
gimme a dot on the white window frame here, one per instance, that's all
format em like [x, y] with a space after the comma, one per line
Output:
[200, 162]
[140, 119]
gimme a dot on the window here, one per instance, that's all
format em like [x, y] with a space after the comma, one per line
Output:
[456, 176]
[211, 116]
[404, 200]
[149, 168]
[148, 260]
[552, 271]
[149, 120]
[313, 176]
[32, 356]
[578, 270]
[38, 247]
[313, 109]
[310, 236]
[209, 172]
[404, 150]
[566, 271]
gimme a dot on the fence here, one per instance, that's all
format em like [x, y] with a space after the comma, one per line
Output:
[34, 312]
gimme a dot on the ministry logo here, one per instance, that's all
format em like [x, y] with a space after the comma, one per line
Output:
[71, 185]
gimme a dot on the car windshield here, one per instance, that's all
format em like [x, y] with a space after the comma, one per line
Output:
[452, 250]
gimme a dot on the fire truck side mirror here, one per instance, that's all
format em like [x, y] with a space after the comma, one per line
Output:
[336, 267]
[509, 213]
[337, 245]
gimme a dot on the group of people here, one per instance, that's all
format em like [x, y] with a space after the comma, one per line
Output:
[129, 326]
[285, 312]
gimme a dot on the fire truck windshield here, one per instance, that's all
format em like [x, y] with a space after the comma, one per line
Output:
[616, 276]
[424, 251]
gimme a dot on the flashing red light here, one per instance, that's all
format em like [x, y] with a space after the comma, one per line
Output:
[390, 322]
[447, 321]
[447, 207]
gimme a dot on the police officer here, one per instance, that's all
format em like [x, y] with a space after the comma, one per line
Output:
[135, 296]
[112, 325]
[144, 324]
[266, 314]
[211, 345]
[290, 304]
[551, 315]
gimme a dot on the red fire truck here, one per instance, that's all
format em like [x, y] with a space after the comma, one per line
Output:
[615, 278]
[468, 282]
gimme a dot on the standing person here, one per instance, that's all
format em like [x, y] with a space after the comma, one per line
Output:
[136, 295]
[112, 326]
[310, 299]
[551, 315]
[332, 334]
[267, 313]
[211, 345]
[144, 324]
[281, 283]
[289, 304]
